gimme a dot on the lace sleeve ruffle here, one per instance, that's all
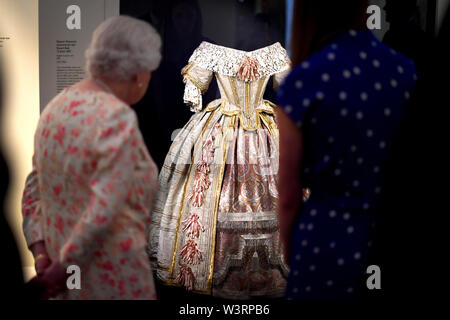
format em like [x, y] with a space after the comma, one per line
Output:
[197, 81]
[193, 97]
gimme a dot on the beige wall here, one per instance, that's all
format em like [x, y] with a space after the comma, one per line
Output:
[19, 21]
[20, 57]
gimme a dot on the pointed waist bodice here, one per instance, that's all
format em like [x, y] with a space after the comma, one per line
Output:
[242, 79]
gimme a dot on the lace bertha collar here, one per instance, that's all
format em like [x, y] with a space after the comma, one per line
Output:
[226, 61]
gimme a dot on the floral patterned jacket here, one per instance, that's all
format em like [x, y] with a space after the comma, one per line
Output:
[90, 194]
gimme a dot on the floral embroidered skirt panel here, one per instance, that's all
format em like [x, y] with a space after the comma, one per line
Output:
[214, 228]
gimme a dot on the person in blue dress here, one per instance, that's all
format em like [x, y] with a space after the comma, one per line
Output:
[340, 109]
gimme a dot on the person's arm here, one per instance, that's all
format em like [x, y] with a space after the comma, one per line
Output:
[289, 174]
[32, 221]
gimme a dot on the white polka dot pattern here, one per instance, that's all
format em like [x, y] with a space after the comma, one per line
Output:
[350, 102]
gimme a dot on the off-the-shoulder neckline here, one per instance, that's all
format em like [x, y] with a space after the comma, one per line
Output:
[242, 51]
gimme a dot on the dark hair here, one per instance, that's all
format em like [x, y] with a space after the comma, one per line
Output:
[317, 21]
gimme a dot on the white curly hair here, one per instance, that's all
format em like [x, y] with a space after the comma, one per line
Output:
[121, 47]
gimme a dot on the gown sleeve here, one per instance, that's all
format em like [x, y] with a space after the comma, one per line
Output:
[31, 208]
[285, 67]
[197, 80]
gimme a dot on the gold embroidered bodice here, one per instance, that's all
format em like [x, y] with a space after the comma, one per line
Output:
[242, 78]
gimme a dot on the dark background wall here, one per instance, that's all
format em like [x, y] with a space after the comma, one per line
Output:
[183, 25]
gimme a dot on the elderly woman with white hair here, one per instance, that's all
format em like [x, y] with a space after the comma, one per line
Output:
[88, 199]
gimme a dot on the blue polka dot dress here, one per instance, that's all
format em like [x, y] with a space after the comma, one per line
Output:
[348, 100]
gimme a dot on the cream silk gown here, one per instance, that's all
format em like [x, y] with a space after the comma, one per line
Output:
[214, 226]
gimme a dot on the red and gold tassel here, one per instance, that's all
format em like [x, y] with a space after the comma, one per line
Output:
[192, 226]
[190, 253]
[186, 277]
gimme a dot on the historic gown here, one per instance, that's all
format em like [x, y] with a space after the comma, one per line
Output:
[214, 226]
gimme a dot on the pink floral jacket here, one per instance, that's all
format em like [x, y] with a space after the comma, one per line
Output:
[90, 194]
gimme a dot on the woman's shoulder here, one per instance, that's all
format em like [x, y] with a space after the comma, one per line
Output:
[309, 75]
[319, 66]
[110, 108]
[100, 106]
[347, 58]
[100, 99]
